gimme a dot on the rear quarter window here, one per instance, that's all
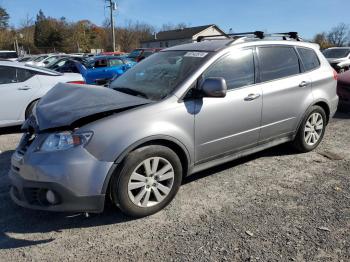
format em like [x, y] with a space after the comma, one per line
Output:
[309, 58]
[278, 62]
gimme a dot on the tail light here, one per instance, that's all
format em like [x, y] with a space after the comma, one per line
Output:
[80, 82]
[335, 75]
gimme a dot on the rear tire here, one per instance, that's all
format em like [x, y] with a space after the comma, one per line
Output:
[147, 181]
[311, 130]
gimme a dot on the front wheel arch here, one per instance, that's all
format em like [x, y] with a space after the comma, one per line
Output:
[171, 143]
[29, 108]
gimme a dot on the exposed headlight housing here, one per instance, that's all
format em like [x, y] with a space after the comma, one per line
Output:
[64, 140]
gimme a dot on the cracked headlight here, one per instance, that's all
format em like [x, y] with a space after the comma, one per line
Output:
[64, 140]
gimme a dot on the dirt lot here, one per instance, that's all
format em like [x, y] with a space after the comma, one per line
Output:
[273, 206]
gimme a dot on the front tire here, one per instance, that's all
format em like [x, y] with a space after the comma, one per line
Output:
[311, 130]
[147, 181]
[30, 109]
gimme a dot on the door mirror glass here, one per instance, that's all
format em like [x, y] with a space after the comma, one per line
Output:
[214, 87]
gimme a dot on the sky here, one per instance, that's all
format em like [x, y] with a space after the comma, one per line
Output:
[308, 17]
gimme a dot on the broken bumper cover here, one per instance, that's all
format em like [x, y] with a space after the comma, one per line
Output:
[32, 195]
[74, 180]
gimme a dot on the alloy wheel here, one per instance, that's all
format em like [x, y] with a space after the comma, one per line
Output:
[151, 182]
[313, 129]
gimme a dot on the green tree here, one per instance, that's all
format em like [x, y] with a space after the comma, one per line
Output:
[49, 33]
[4, 18]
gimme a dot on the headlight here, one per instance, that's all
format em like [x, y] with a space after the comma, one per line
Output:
[64, 140]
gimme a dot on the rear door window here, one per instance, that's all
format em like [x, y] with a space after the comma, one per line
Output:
[101, 63]
[115, 62]
[278, 62]
[24, 74]
[309, 58]
[237, 69]
[10, 75]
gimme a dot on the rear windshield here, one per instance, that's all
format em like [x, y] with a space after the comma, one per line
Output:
[7, 55]
[336, 53]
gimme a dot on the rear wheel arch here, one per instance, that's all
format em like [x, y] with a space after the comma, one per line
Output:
[325, 107]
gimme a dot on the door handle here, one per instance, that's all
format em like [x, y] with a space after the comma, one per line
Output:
[251, 97]
[24, 88]
[303, 84]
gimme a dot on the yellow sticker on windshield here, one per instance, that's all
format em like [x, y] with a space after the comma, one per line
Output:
[196, 54]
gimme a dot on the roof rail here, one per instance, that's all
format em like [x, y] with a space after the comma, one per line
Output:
[255, 34]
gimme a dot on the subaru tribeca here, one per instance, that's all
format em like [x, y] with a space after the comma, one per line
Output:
[182, 110]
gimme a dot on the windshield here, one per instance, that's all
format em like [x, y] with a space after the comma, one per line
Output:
[336, 53]
[40, 58]
[135, 53]
[159, 75]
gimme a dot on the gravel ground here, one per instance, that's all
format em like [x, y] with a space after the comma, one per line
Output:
[273, 206]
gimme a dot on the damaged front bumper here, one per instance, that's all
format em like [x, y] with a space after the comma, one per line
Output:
[69, 180]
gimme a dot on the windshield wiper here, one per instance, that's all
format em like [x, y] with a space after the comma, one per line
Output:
[130, 91]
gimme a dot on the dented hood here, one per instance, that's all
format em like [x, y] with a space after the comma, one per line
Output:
[67, 103]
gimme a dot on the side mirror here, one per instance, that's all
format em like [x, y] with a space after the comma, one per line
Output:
[214, 87]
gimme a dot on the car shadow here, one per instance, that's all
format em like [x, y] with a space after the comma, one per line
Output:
[280, 150]
[342, 114]
[17, 220]
[10, 130]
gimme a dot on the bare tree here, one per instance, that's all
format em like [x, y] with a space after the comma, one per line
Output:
[321, 39]
[338, 36]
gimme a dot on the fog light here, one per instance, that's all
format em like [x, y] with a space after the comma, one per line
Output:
[51, 197]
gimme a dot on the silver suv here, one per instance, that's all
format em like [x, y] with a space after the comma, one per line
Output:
[182, 110]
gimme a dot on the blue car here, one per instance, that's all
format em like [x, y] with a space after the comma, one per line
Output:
[101, 69]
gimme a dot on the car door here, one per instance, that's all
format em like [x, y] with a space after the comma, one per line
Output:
[286, 91]
[98, 71]
[17, 87]
[229, 124]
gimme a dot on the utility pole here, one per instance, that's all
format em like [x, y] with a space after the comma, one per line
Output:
[113, 7]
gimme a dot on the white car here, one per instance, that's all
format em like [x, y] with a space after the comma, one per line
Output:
[22, 86]
[8, 55]
[45, 60]
[338, 57]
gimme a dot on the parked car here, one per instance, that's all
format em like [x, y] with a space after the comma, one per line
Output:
[45, 60]
[103, 68]
[22, 86]
[68, 64]
[25, 59]
[339, 58]
[182, 110]
[139, 54]
[343, 90]
[116, 53]
[8, 55]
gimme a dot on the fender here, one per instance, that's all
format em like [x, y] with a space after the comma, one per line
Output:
[135, 145]
[307, 110]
